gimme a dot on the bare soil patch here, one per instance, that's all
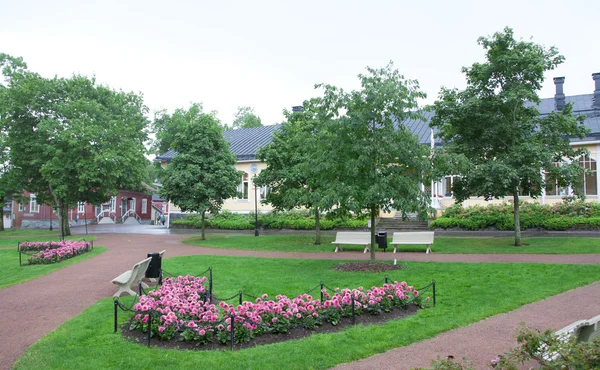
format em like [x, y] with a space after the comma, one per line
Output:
[269, 338]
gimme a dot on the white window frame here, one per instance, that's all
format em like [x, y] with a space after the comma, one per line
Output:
[34, 207]
[144, 206]
[81, 207]
[263, 191]
[113, 203]
[21, 207]
[244, 185]
[587, 165]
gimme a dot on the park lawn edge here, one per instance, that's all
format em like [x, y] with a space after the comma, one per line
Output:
[441, 245]
[52, 267]
[93, 327]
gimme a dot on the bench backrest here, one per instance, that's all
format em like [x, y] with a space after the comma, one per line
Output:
[363, 237]
[413, 237]
[139, 270]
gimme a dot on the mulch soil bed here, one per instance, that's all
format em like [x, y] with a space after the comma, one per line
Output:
[269, 338]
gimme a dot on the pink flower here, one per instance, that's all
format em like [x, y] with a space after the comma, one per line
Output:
[274, 320]
[161, 329]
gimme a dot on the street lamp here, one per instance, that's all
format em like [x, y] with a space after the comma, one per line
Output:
[256, 233]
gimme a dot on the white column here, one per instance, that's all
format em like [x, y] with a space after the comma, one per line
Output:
[543, 197]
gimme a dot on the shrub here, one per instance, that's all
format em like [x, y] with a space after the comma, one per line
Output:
[564, 216]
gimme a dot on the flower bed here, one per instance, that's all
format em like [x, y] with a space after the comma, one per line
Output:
[52, 252]
[178, 310]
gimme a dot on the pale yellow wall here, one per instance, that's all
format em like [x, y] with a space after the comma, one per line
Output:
[247, 205]
[241, 205]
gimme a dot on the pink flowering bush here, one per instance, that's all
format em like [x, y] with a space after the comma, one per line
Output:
[52, 252]
[180, 308]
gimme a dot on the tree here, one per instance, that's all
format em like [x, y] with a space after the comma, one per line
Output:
[245, 118]
[292, 174]
[202, 175]
[495, 130]
[69, 140]
[374, 161]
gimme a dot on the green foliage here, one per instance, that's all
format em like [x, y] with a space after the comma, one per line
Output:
[561, 216]
[69, 139]
[494, 133]
[244, 118]
[296, 220]
[373, 162]
[202, 175]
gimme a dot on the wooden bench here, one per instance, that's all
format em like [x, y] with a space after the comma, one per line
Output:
[131, 277]
[352, 237]
[413, 237]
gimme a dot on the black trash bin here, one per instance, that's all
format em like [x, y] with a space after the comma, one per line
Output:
[381, 239]
[154, 267]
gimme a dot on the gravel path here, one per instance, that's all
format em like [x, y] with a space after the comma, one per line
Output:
[32, 309]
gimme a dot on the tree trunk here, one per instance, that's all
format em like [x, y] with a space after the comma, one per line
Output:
[373, 210]
[318, 226]
[203, 235]
[1, 216]
[517, 219]
[65, 224]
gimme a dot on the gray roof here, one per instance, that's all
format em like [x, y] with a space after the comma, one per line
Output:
[244, 143]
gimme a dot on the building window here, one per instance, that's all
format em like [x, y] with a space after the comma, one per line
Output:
[144, 205]
[589, 185]
[243, 187]
[263, 192]
[81, 207]
[33, 205]
[21, 207]
[113, 204]
[552, 187]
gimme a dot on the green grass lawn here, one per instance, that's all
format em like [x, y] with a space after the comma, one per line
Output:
[13, 274]
[453, 245]
[467, 293]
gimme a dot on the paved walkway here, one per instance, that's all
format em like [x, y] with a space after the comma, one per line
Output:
[32, 309]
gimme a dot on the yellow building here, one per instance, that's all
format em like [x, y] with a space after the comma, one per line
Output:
[244, 144]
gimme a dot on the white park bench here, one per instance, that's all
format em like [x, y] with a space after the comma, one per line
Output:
[131, 277]
[352, 237]
[413, 237]
[584, 330]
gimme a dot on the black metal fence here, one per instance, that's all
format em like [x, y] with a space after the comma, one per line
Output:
[210, 297]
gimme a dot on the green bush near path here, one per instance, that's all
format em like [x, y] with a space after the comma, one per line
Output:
[568, 215]
[467, 293]
[451, 245]
[295, 220]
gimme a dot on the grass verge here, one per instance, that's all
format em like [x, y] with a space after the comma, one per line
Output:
[466, 293]
[13, 274]
[451, 245]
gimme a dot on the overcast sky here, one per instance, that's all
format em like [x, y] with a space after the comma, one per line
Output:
[269, 54]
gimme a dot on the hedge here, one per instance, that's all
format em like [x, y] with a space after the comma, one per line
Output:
[562, 216]
[297, 220]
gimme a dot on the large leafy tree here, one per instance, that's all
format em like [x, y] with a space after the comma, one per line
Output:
[69, 139]
[202, 175]
[245, 118]
[374, 162]
[493, 132]
[292, 174]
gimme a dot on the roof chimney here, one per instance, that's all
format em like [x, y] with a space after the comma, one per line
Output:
[559, 97]
[596, 103]
[298, 108]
